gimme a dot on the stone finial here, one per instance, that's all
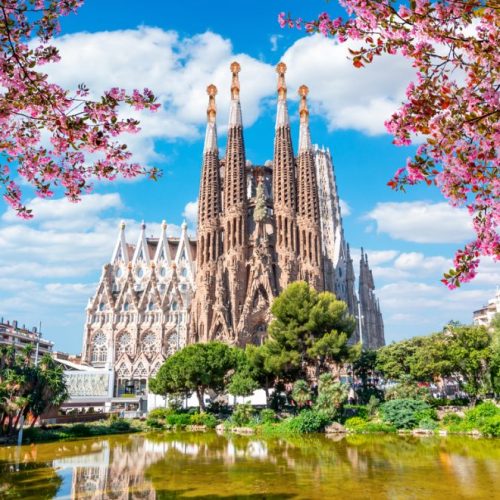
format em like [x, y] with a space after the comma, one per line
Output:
[211, 109]
[164, 225]
[281, 70]
[235, 83]
[303, 92]
[122, 225]
[143, 225]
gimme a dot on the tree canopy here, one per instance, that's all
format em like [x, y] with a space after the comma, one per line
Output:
[196, 368]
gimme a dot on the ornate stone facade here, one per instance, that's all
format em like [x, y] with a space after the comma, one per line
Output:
[139, 313]
[263, 227]
[259, 229]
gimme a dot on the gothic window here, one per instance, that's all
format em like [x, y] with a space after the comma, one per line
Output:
[126, 306]
[155, 368]
[123, 372]
[172, 343]
[148, 344]
[174, 306]
[101, 306]
[184, 272]
[119, 272]
[140, 272]
[140, 371]
[151, 306]
[99, 349]
[124, 343]
[163, 271]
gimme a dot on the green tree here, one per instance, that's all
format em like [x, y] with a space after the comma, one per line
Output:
[470, 353]
[242, 382]
[332, 395]
[301, 393]
[309, 329]
[196, 368]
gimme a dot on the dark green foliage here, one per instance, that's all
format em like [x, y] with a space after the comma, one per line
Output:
[196, 368]
[242, 414]
[405, 413]
[451, 419]
[408, 389]
[308, 329]
[268, 416]
[121, 425]
[79, 430]
[331, 396]
[308, 421]
[26, 388]
[178, 420]
[351, 411]
[301, 393]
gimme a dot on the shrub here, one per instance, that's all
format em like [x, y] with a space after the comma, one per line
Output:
[178, 419]
[373, 404]
[451, 419]
[120, 425]
[404, 413]
[203, 419]
[242, 414]
[331, 396]
[366, 393]
[79, 430]
[427, 423]
[408, 390]
[267, 416]
[355, 423]
[480, 412]
[160, 413]
[490, 426]
[154, 423]
[351, 411]
[308, 421]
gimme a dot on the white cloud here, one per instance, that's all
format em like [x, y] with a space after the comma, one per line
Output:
[345, 208]
[349, 98]
[422, 222]
[274, 39]
[177, 69]
[190, 212]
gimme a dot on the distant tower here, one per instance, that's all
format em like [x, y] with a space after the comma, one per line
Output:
[308, 218]
[372, 325]
[235, 209]
[284, 189]
[209, 235]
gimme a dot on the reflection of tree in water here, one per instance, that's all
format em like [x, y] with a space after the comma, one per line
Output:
[32, 480]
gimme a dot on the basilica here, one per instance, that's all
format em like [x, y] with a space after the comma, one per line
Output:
[260, 227]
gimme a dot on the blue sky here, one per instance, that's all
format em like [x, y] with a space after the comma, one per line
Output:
[49, 266]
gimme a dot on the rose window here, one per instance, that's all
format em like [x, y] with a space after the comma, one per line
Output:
[124, 345]
[149, 343]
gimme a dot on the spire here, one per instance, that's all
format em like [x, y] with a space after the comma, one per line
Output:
[282, 114]
[141, 249]
[234, 172]
[120, 253]
[235, 107]
[211, 133]
[162, 253]
[304, 134]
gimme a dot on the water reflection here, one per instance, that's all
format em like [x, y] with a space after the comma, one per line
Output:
[212, 466]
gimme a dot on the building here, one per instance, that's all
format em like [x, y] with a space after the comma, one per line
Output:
[485, 315]
[260, 227]
[11, 334]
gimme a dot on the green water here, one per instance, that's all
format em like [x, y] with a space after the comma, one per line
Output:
[211, 466]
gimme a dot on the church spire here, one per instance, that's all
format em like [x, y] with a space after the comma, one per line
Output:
[211, 133]
[282, 118]
[120, 253]
[141, 249]
[284, 188]
[162, 252]
[304, 134]
[234, 171]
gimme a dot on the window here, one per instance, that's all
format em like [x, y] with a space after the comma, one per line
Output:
[184, 272]
[99, 349]
[140, 272]
[124, 344]
[163, 271]
[119, 272]
[101, 306]
[148, 344]
[151, 306]
[125, 306]
[174, 306]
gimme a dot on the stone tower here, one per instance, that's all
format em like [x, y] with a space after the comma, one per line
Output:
[371, 322]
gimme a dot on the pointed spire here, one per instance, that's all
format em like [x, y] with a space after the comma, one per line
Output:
[282, 114]
[120, 253]
[235, 107]
[162, 253]
[211, 133]
[304, 134]
[141, 249]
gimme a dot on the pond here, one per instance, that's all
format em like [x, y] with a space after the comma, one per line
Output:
[209, 466]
